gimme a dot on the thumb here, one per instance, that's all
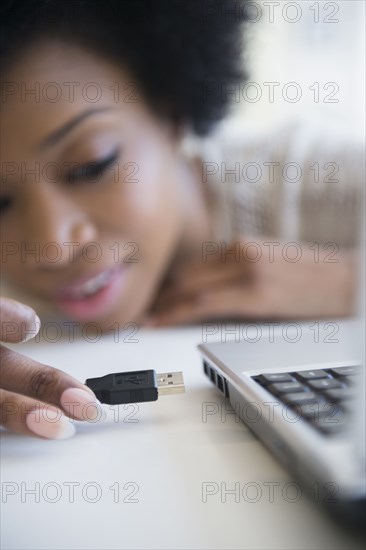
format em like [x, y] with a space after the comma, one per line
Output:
[18, 322]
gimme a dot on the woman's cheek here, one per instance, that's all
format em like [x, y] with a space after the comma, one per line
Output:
[12, 261]
[148, 202]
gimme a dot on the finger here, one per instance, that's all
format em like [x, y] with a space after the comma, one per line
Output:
[192, 310]
[19, 322]
[242, 303]
[22, 375]
[207, 279]
[25, 416]
[211, 270]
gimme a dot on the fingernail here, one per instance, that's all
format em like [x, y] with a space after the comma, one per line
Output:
[81, 404]
[37, 324]
[50, 423]
[32, 332]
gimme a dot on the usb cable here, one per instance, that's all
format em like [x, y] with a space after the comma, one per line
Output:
[135, 386]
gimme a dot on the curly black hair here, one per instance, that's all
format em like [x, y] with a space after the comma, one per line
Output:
[176, 50]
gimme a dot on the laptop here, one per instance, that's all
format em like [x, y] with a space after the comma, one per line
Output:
[300, 387]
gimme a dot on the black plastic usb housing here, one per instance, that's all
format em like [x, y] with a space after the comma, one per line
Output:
[135, 386]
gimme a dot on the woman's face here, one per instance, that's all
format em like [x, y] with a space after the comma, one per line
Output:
[91, 212]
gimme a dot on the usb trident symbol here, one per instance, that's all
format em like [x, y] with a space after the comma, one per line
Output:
[132, 380]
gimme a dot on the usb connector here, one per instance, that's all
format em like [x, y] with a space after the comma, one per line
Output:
[170, 383]
[135, 386]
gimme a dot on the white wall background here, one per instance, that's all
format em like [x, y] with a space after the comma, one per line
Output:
[306, 42]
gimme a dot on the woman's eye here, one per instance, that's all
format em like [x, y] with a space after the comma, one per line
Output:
[5, 203]
[91, 171]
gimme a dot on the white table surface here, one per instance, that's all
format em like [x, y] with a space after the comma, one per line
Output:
[165, 456]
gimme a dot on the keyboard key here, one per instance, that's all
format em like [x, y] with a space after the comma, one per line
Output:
[266, 379]
[340, 394]
[286, 387]
[330, 429]
[298, 398]
[312, 374]
[350, 380]
[345, 371]
[347, 404]
[313, 411]
[325, 384]
[332, 424]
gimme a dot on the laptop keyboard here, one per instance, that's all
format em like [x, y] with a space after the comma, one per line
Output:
[322, 397]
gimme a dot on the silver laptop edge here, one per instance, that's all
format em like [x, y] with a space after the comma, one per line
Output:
[313, 457]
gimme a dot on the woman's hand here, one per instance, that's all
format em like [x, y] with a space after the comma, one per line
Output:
[241, 286]
[36, 399]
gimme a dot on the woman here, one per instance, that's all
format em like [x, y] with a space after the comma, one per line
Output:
[105, 217]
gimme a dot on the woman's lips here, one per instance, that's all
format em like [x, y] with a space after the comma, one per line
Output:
[93, 297]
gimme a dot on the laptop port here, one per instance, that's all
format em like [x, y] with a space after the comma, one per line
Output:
[220, 383]
[216, 379]
[205, 368]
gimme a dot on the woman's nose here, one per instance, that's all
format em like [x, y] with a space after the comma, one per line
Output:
[56, 229]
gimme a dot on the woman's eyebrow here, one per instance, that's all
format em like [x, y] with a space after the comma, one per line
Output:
[60, 133]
